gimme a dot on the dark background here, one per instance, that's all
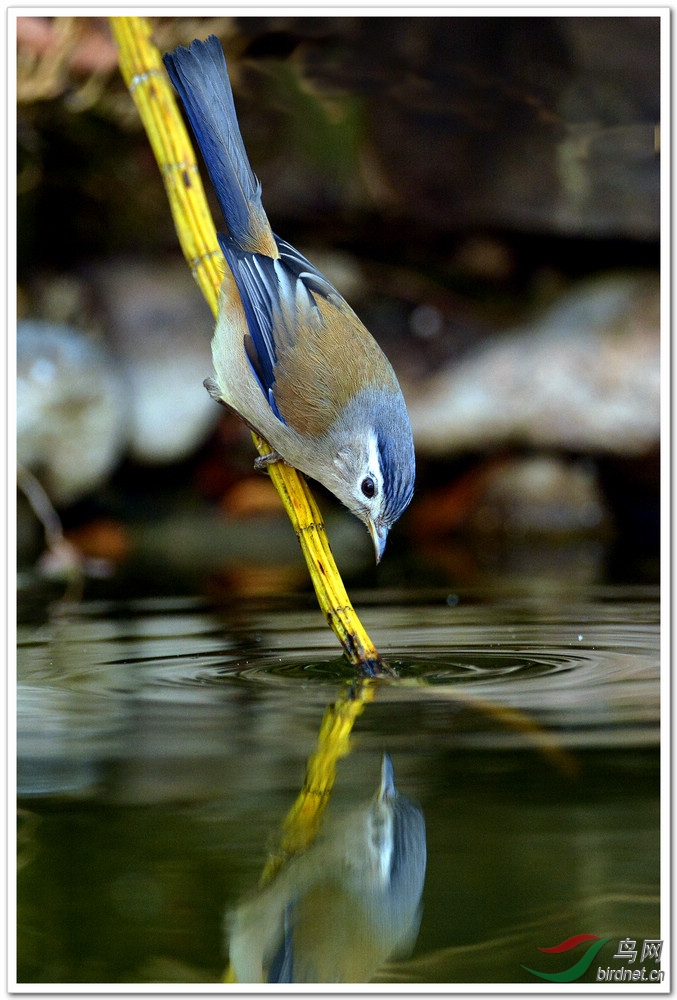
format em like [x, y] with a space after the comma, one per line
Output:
[455, 177]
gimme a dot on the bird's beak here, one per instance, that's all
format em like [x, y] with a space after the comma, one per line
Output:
[387, 788]
[379, 535]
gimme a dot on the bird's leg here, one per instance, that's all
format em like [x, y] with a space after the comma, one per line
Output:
[263, 461]
[213, 389]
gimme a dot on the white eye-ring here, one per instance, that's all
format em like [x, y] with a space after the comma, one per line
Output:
[369, 484]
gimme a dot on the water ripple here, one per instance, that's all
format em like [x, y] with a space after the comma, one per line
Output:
[580, 666]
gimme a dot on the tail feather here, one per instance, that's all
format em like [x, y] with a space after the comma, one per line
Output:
[200, 76]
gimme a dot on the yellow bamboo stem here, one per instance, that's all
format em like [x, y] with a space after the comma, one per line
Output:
[143, 72]
[333, 742]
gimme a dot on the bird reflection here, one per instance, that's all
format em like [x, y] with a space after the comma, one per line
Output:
[339, 910]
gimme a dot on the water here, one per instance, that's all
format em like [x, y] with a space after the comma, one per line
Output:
[161, 743]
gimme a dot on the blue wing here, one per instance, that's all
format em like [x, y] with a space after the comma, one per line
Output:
[278, 295]
[282, 966]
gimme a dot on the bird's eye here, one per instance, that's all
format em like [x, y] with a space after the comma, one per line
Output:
[368, 487]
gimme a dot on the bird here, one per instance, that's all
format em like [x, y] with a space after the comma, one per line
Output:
[291, 358]
[337, 911]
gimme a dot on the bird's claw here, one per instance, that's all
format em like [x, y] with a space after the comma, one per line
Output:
[263, 461]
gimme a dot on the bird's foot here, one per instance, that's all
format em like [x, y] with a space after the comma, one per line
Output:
[213, 389]
[263, 461]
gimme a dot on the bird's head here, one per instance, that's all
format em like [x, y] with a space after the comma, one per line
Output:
[373, 460]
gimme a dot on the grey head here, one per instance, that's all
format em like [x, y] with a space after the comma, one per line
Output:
[374, 465]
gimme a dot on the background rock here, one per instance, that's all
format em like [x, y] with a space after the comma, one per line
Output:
[71, 409]
[457, 177]
[584, 377]
[161, 329]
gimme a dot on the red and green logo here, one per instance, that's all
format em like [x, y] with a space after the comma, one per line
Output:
[582, 965]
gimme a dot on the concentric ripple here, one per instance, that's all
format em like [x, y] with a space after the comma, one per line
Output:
[587, 669]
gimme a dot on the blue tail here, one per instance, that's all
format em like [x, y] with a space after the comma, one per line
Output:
[200, 77]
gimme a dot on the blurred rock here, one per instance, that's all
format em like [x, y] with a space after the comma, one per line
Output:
[71, 409]
[102, 539]
[251, 496]
[540, 494]
[539, 124]
[161, 328]
[534, 518]
[254, 552]
[584, 378]
[521, 495]
[136, 389]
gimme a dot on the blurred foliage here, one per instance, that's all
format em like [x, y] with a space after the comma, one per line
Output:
[392, 136]
[85, 171]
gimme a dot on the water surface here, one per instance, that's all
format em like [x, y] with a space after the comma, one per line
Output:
[161, 743]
